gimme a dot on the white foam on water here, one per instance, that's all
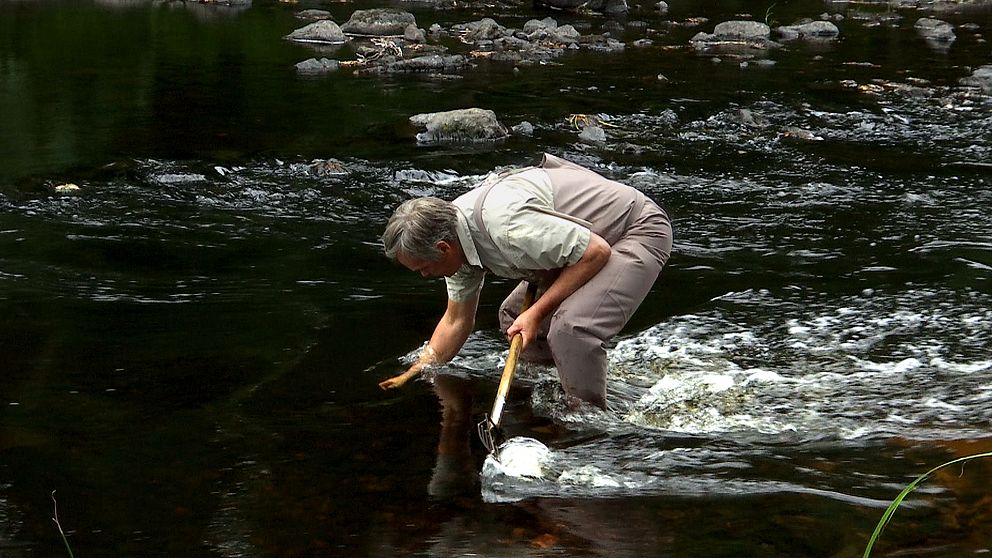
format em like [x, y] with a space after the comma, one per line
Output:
[520, 458]
[589, 476]
[760, 368]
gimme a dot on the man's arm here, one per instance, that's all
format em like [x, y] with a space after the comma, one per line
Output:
[571, 278]
[450, 334]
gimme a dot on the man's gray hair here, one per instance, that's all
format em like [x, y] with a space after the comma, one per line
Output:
[417, 226]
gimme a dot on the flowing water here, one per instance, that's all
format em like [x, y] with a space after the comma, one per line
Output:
[191, 341]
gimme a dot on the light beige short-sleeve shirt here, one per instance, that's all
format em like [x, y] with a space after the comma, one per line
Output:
[524, 235]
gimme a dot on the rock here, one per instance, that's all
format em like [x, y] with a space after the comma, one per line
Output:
[935, 30]
[484, 29]
[741, 30]
[324, 31]
[735, 37]
[313, 14]
[593, 134]
[562, 4]
[981, 78]
[609, 7]
[567, 34]
[811, 30]
[312, 66]
[463, 125]
[546, 24]
[662, 7]
[606, 44]
[429, 63]
[414, 34]
[378, 22]
[524, 129]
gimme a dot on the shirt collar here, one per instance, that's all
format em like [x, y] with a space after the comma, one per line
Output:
[465, 239]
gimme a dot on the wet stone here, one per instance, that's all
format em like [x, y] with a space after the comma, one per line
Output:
[464, 125]
[593, 134]
[935, 29]
[981, 78]
[742, 38]
[378, 22]
[324, 31]
[312, 66]
[810, 30]
[313, 14]
[428, 63]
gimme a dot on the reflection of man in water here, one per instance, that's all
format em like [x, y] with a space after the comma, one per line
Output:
[455, 473]
[593, 246]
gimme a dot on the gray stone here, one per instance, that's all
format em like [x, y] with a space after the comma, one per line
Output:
[811, 30]
[378, 22]
[567, 34]
[484, 29]
[463, 125]
[428, 63]
[741, 30]
[324, 31]
[313, 14]
[981, 78]
[740, 38]
[935, 29]
[414, 34]
[524, 129]
[593, 134]
[312, 66]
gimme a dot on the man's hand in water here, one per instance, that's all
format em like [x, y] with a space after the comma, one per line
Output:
[395, 381]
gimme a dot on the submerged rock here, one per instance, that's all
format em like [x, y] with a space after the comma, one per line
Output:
[463, 125]
[323, 31]
[312, 66]
[378, 22]
[981, 78]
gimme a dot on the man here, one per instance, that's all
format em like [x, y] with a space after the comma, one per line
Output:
[593, 246]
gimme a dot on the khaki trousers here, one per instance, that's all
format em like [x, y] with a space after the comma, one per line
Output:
[575, 335]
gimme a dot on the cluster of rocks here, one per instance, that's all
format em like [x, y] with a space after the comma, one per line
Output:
[752, 38]
[389, 41]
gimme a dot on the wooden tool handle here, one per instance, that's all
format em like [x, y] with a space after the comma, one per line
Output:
[511, 361]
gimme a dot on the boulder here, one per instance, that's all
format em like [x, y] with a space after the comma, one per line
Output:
[378, 22]
[754, 30]
[463, 125]
[736, 38]
[811, 30]
[981, 78]
[312, 66]
[935, 30]
[323, 31]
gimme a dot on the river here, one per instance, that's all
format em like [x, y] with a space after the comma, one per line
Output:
[192, 337]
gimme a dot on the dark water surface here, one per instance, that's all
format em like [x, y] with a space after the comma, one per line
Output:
[191, 342]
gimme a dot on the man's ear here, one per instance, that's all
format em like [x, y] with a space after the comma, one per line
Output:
[443, 246]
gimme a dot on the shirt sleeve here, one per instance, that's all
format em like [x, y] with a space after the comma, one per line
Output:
[537, 240]
[465, 283]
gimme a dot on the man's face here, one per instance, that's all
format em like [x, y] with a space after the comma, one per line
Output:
[448, 264]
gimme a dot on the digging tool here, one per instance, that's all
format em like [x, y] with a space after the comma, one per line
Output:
[489, 430]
